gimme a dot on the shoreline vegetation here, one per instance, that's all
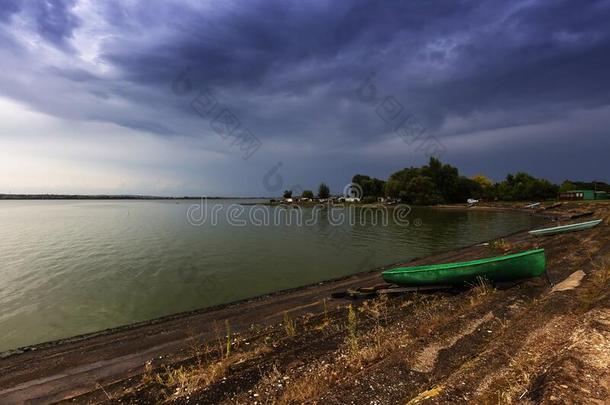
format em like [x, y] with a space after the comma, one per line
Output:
[522, 342]
[436, 184]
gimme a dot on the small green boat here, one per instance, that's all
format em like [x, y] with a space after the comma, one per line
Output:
[566, 228]
[531, 263]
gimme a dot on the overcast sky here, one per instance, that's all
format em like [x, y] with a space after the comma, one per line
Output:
[249, 98]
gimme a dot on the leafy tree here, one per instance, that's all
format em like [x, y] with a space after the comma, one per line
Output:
[307, 194]
[437, 182]
[421, 190]
[448, 185]
[323, 191]
[523, 186]
[287, 193]
[593, 185]
[483, 181]
[370, 186]
[485, 189]
[567, 186]
[399, 181]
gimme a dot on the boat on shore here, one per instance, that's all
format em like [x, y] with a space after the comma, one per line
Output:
[531, 263]
[566, 228]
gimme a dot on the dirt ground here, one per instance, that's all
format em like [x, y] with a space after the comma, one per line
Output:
[523, 342]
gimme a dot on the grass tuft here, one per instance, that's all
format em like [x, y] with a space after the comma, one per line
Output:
[501, 245]
[352, 326]
[481, 290]
[289, 326]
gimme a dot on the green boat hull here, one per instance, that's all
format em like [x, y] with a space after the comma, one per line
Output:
[566, 228]
[531, 263]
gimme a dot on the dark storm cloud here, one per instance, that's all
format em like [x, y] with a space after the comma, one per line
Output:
[290, 70]
[54, 20]
[493, 56]
[9, 7]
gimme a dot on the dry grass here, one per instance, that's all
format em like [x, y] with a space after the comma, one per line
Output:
[311, 385]
[182, 381]
[501, 245]
[325, 320]
[358, 351]
[428, 394]
[209, 366]
[596, 285]
[352, 328]
[228, 341]
[289, 326]
[482, 289]
[521, 372]
[349, 360]
[147, 375]
[430, 314]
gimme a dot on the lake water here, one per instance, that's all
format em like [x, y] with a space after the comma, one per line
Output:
[72, 267]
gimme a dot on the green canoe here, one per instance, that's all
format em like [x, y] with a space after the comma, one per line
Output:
[503, 268]
[566, 228]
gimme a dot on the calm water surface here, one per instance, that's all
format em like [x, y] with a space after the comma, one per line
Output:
[72, 267]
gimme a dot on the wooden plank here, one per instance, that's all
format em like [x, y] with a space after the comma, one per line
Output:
[582, 214]
[399, 290]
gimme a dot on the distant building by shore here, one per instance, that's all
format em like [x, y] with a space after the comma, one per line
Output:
[586, 195]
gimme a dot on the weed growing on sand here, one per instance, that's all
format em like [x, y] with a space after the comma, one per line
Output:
[377, 311]
[352, 326]
[228, 343]
[185, 380]
[481, 290]
[177, 382]
[357, 352]
[271, 377]
[289, 326]
[147, 375]
[311, 385]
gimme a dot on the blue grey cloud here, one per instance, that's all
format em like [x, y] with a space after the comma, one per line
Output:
[55, 20]
[290, 71]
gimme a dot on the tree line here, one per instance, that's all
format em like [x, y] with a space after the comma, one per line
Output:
[323, 192]
[438, 183]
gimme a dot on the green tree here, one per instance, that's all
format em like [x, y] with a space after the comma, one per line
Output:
[371, 187]
[421, 190]
[486, 189]
[523, 187]
[445, 181]
[307, 194]
[287, 193]
[483, 181]
[567, 186]
[398, 182]
[323, 191]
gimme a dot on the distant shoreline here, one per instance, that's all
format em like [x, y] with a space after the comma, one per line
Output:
[111, 197]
